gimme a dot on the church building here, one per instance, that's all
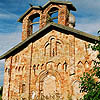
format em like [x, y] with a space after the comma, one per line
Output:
[48, 63]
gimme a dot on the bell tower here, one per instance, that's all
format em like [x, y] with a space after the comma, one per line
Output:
[53, 11]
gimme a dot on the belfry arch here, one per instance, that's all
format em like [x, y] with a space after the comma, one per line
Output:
[34, 21]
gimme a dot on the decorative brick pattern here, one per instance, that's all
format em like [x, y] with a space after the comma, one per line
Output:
[55, 55]
[49, 67]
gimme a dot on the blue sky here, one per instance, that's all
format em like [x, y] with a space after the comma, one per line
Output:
[87, 20]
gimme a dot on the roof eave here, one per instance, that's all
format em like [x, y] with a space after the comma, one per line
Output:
[27, 12]
[78, 32]
[5, 55]
[52, 25]
[71, 7]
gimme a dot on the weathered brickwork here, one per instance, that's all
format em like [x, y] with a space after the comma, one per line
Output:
[49, 67]
[63, 14]
[57, 58]
[7, 75]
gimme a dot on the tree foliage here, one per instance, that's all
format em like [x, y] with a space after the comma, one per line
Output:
[1, 89]
[90, 82]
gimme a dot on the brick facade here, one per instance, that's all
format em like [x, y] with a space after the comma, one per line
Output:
[63, 13]
[56, 54]
[49, 67]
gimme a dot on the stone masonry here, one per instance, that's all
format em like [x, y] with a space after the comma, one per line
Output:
[62, 18]
[49, 67]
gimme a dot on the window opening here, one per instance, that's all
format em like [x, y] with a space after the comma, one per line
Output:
[36, 24]
[6, 69]
[16, 59]
[23, 98]
[65, 66]
[35, 20]
[19, 68]
[23, 88]
[53, 15]
[34, 68]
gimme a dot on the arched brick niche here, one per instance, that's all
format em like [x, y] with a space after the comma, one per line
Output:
[48, 83]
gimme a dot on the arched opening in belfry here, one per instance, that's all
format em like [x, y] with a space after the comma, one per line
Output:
[53, 15]
[34, 22]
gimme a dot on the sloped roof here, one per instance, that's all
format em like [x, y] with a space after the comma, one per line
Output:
[68, 3]
[45, 30]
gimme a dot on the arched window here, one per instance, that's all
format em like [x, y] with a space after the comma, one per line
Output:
[59, 66]
[34, 22]
[6, 69]
[53, 15]
[65, 66]
[23, 88]
[19, 68]
[22, 68]
[34, 68]
[80, 68]
[86, 65]
[53, 46]
[16, 59]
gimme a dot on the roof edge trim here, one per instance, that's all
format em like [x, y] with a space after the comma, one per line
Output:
[54, 26]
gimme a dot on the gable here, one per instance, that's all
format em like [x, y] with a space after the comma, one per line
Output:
[45, 30]
[52, 56]
[52, 46]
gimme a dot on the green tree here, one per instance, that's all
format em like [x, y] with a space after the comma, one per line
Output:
[89, 84]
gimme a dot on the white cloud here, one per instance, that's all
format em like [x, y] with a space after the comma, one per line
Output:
[2, 62]
[4, 14]
[91, 28]
[86, 5]
[87, 15]
[9, 40]
[8, 16]
[88, 25]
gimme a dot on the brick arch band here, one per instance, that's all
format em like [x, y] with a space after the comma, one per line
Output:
[43, 75]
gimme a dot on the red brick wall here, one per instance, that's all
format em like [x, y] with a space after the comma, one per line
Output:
[63, 14]
[56, 57]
